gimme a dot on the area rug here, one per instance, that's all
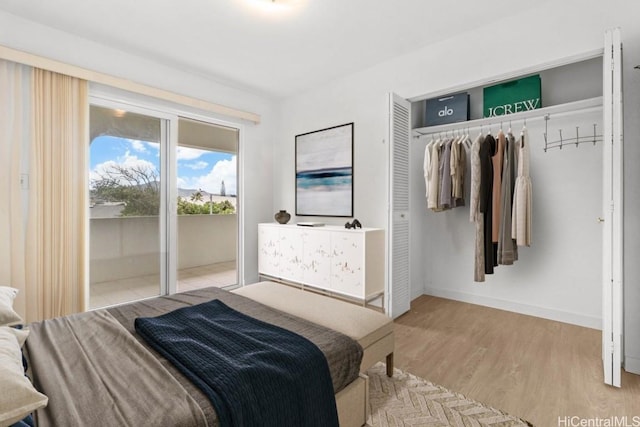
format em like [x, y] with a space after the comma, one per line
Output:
[406, 400]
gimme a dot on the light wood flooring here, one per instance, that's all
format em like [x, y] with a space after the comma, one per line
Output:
[533, 368]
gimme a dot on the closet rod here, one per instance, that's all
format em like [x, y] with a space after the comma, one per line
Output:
[568, 109]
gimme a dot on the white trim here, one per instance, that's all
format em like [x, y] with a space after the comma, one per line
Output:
[240, 271]
[167, 226]
[87, 212]
[170, 208]
[607, 199]
[530, 310]
[120, 83]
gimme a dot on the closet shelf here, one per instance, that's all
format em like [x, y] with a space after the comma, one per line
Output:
[539, 114]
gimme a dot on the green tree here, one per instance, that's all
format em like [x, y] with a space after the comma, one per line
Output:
[224, 207]
[197, 196]
[137, 186]
[185, 207]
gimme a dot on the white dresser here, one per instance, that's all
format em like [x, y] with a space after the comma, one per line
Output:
[335, 259]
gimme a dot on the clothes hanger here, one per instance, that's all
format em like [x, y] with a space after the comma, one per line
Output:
[524, 129]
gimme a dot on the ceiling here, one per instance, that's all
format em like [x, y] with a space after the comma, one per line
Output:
[276, 48]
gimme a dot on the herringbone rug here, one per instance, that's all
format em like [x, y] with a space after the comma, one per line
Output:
[406, 400]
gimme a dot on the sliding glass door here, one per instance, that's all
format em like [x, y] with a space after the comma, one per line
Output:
[125, 185]
[163, 204]
[207, 205]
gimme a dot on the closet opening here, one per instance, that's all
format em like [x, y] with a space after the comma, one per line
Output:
[569, 270]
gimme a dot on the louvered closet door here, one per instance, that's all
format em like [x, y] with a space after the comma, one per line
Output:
[398, 294]
[612, 250]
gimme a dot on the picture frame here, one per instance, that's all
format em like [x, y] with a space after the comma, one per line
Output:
[324, 172]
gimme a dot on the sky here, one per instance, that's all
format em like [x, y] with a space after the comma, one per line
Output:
[197, 169]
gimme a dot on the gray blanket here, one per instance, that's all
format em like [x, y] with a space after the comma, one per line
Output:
[343, 354]
[96, 374]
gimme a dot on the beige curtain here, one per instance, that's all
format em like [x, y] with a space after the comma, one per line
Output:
[55, 240]
[14, 140]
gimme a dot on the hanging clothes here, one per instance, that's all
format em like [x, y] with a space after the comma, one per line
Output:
[434, 176]
[497, 160]
[445, 176]
[458, 169]
[522, 200]
[475, 215]
[444, 168]
[474, 192]
[426, 166]
[487, 150]
[507, 248]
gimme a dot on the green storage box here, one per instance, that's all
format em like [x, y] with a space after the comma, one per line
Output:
[512, 97]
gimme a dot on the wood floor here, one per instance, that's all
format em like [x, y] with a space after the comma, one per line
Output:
[533, 368]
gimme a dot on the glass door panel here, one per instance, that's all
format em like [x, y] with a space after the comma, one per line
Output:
[125, 206]
[207, 220]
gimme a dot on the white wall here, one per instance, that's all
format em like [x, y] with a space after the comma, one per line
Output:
[256, 143]
[552, 31]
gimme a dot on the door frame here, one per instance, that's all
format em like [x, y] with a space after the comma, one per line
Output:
[170, 112]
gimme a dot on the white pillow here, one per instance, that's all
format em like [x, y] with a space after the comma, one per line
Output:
[8, 317]
[18, 397]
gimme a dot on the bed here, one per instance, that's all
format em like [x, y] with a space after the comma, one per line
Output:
[96, 369]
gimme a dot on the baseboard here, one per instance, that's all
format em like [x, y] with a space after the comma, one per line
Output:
[632, 365]
[531, 310]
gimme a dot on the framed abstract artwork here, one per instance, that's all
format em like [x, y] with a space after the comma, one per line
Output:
[324, 172]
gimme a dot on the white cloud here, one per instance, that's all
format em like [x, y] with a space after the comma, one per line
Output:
[223, 170]
[138, 146]
[197, 165]
[127, 161]
[183, 183]
[143, 146]
[186, 153]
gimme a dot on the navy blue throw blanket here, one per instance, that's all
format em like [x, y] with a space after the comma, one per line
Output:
[254, 373]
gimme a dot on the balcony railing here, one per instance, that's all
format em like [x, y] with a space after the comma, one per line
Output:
[125, 255]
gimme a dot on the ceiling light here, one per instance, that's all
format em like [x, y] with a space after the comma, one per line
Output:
[273, 7]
